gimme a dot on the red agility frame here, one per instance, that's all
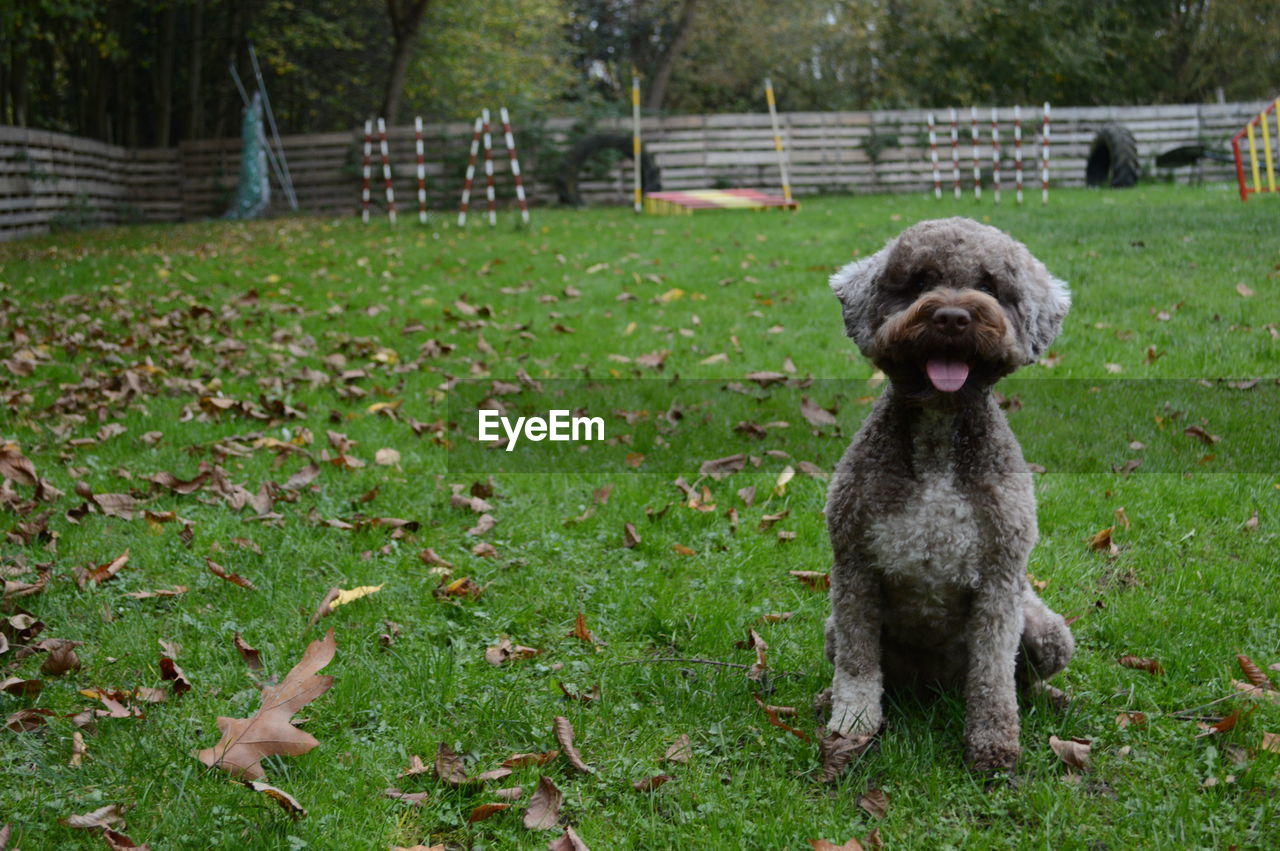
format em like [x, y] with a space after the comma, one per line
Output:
[1259, 120]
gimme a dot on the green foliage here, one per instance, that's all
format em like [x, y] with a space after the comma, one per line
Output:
[499, 53]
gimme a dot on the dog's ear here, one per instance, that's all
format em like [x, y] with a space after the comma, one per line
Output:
[1048, 308]
[855, 285]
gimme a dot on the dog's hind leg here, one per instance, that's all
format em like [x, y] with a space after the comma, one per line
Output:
[1047, 643]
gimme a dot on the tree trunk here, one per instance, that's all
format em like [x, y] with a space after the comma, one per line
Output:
[18, 82]
[164, 79]
[406, 18]
[666, 61]
[194, 111]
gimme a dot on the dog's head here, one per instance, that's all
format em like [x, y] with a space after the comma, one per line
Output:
[950, 304]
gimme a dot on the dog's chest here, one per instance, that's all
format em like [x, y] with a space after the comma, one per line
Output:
[931, 542]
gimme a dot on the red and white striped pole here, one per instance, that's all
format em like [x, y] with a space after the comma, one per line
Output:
[955, 152]
[471, 173]
[515, 165]
[368, 167]
[1017, 151]
[488, 169]
[933, 154]
[977, 157]
[995, 155]
[386, 170]
[422, 171]
[1044, 159]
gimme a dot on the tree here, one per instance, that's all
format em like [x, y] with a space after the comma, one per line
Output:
[406, 18]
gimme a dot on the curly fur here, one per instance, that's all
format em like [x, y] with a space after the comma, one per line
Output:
[931, 510]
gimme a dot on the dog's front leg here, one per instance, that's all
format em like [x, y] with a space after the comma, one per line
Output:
[991, 701]
[853, 644]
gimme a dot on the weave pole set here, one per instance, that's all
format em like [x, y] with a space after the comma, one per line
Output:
[975, 140]
[481, 132]
[1261, 121]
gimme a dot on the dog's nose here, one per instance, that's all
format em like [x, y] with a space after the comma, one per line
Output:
[951, 320]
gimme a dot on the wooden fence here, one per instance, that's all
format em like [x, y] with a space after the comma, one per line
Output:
[52, 179]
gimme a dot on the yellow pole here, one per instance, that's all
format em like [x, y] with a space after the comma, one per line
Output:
[777, 138]
[1253, 159]
[635, 136]
[1266, 147]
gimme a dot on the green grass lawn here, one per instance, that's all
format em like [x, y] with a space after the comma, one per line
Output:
[305, 327]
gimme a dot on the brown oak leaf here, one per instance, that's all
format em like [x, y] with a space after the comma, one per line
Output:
[245, 741]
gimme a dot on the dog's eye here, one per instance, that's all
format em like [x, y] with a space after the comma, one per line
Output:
[987, 284]
[919, 282]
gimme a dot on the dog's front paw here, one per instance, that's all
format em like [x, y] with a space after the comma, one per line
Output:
[853, 719]
[992, 753]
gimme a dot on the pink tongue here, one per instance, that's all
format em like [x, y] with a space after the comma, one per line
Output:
[947, 375]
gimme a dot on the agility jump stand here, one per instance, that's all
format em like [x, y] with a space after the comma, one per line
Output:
[384, 152]
[1017, 154]
[422, 171]
[687, 202]
[480, 132]
[1259, 120]
[368, 166]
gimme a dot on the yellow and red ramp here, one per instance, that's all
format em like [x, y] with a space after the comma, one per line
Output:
[686, 202]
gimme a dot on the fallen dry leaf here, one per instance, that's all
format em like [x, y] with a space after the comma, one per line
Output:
[564, 735]
[630, 537]
[348, 595]
[814, 579]
[1131, 719]
[170, 671]
[449, 767]
[414, 798]
[1199, 433]
[524, 760]
[102, 817]
[26, 720]
[875, 802]
[386, 457]
[816, 415]
[680, 750]
[505, 651]
[250, 655]
[773, 713]
[581, 632]
[118, 841]
[1271, 742]
[1226, 724]
[62, 657]
[567, 841]
[649, 784]
[483, 811]
[287, 802]
[222, 573]
[1151, 666]
[20, 687]
[103, 572]
[1073, 752]
[78, 749]
[835, 753]
[1101, 541]
[826, 845]
[464, 588]
[1253, 673]
[544, 807]
[245, 741]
